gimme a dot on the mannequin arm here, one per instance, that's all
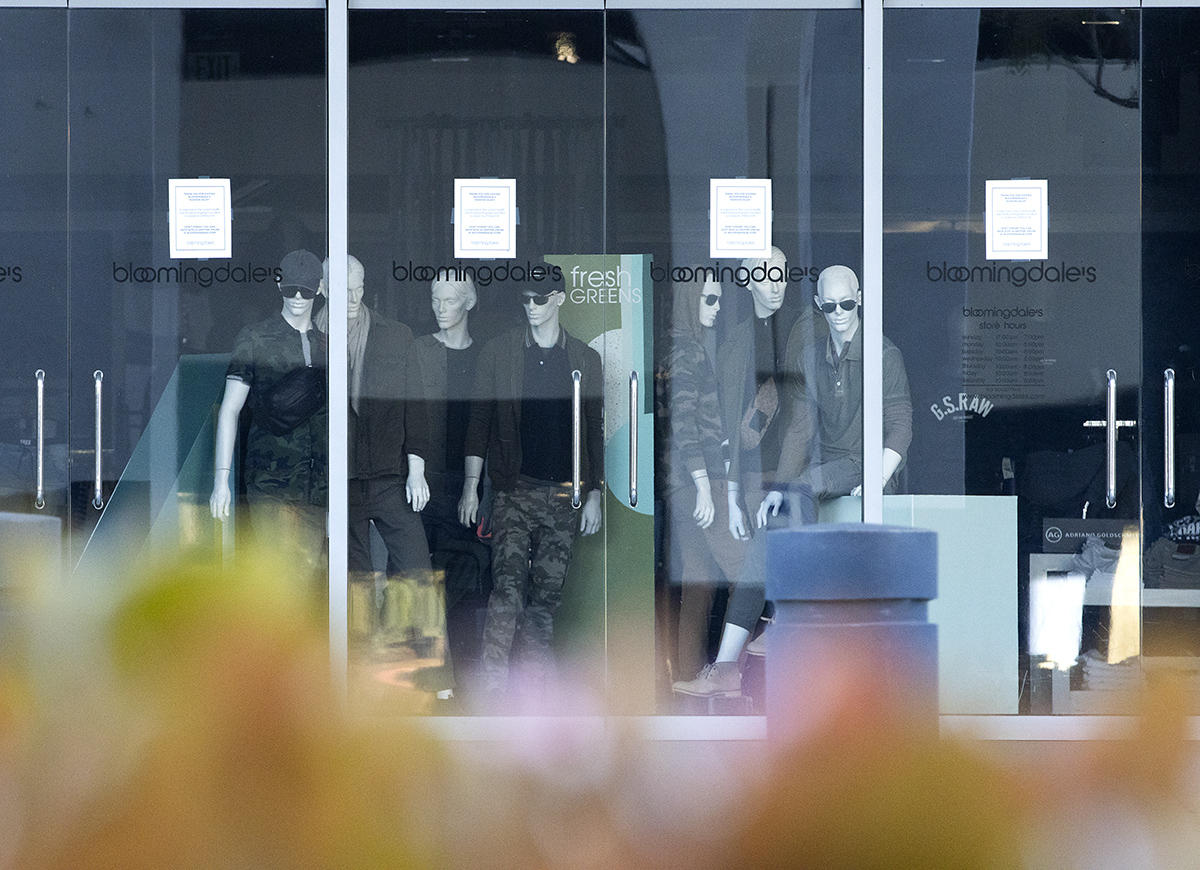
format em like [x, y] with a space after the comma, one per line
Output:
[468, 505]
[236, 392]
[589, 522]
[891, 461]
[416, 489]
[737, 523]
[705, 509]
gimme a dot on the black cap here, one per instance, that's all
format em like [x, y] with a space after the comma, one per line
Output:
[544, 283]
[300, 269]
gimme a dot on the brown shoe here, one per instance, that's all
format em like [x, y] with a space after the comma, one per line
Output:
[718, 680]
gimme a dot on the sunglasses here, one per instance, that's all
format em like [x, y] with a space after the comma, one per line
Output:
[290, 290]
[710, 299]
[845, 305]
[540, 299]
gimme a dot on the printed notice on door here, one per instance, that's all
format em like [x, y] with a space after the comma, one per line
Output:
[1016, 219]
[200, 218]
[739, 217]
[485, 218]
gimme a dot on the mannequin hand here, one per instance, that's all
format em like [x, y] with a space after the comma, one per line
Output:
[769, 506]
[705, 509]
[219, 501]
[589, 520]
[737, 522]
[468, 506]
[416, 490]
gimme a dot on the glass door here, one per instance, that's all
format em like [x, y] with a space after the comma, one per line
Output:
[1012, 246]
[1170, 385]
[197, 171]
[34, 386]
[757, 390]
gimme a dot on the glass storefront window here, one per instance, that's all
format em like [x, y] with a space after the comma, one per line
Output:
[555, 179]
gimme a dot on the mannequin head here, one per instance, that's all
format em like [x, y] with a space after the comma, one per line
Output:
[837, 287]
[541, 305]
[710, 303]
[451, 300]
[355, 284]
[299, 283]
[768, 282]
[689, 314]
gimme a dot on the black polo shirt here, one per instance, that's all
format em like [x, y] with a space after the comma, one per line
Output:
[546, 411]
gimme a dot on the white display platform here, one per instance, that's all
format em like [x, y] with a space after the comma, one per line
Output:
[976, 607]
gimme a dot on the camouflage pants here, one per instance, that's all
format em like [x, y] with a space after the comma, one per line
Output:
[533, 532]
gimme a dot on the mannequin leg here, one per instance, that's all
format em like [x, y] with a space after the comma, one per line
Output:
[733, 639]
[695, 605]
[363, 615]
[510, 578]
[550, 557]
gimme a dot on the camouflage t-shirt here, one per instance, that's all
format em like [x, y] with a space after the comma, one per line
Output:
[293, 466]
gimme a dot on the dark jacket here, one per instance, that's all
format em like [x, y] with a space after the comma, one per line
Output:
[425, 412]
[495, 428]
[688, 413]
[735, 360]
[377, 435]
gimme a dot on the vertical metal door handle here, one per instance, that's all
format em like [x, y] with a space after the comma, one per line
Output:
[39, 500]
[1169, 437]
[98, 489]
[576, 439]
[633, 438]
[1110, 441]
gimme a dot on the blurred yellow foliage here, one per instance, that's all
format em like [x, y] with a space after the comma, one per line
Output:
[188, 719]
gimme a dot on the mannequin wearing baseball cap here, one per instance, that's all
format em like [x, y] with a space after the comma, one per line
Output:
[278, 365]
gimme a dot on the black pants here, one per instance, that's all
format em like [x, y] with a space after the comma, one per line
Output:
[381, 499]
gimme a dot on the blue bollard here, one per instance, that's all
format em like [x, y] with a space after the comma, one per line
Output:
[850, 588]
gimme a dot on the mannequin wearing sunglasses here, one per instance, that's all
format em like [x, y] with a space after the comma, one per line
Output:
[827, 406]
[286, 452]
[700, 552]
[521, 421]
[753, 376]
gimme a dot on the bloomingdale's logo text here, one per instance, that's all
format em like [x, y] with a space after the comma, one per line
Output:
[205, 276]
[481, 276]
[740, 276]
[1017, 276]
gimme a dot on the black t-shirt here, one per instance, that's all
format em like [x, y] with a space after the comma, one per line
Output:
[460, 377]
[546, 414]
